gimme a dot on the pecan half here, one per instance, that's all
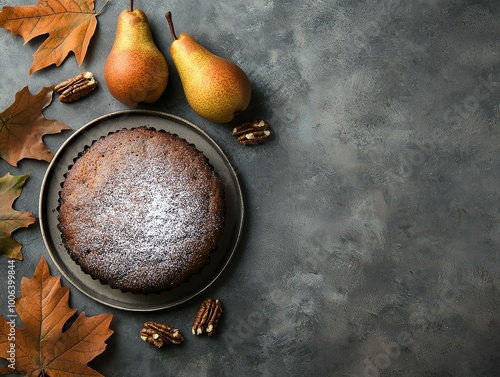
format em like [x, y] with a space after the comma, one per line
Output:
[160, 333]
[76, 87]
[207, 318]
[252, 132]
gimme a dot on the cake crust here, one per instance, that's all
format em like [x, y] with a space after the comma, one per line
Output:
[141, 210]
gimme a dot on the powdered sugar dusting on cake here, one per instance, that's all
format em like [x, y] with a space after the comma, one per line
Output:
[137, 220]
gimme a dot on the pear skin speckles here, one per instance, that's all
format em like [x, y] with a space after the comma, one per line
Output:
[215, 88]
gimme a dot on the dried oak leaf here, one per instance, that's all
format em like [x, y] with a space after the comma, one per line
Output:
[23, 125]
[70, 24]
[10, 219]
[41, 347]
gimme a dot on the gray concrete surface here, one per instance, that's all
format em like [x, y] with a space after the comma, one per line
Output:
[372, 239]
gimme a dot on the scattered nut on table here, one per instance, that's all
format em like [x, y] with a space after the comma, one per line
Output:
[207, 317]
[253, 132]
[160, 334]
[76, 87]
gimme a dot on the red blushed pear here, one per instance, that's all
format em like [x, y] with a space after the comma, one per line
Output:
[215, 88]
[135, 70]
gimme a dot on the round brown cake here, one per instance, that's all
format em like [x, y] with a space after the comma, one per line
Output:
[141, 210]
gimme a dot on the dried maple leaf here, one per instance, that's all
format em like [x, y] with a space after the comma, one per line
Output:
[23, 125]
[10, 219]
[42, 348]
[69, 24]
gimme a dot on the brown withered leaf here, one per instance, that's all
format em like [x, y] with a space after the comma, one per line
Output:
[42, 348]
[10, 219]
[23, 125]
[70, 25]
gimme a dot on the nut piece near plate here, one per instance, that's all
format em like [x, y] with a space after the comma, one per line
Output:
[159, 334]
[207, 318]
[77, 87]
[253, 132]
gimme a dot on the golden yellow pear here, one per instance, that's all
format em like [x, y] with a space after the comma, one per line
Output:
[215, 88]
[135, 70]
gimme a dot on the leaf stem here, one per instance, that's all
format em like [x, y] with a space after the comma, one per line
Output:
[100, 10]
[131, 6]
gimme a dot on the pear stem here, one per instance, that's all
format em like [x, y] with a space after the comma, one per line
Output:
[171, 25]
[131, 6]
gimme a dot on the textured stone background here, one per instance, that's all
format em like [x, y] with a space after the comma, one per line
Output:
[372, 238]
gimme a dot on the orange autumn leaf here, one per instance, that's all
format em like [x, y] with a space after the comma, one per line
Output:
[10, 219]
[70, 24]
[42, 348]
[23, 125]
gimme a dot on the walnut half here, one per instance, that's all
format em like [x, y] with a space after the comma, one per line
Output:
[207, 318]
[159, 334]
[76, 87]
[252, 132]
